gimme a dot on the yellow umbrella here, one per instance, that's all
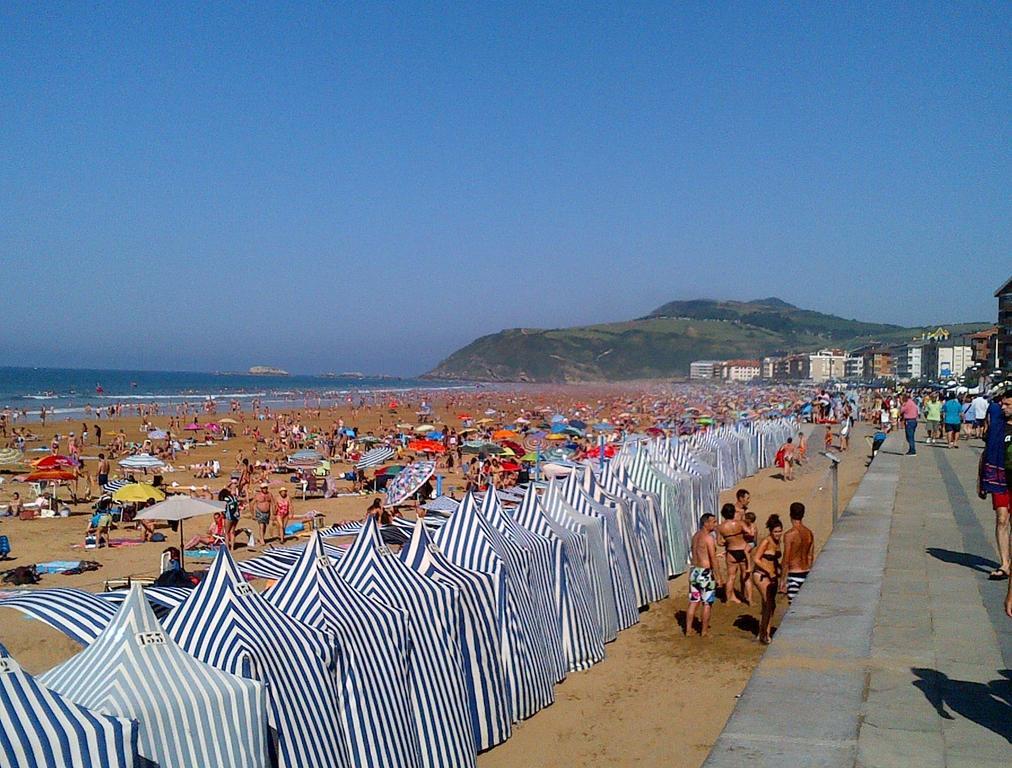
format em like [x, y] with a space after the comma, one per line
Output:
[483, 421]
[507, 452]
[138, 492]
[557, 437]
[227, 421]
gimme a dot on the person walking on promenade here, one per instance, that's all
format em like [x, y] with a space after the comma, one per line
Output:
[993, 475]
[767, 573]
[952, 416]
[799, 553]
[933, 417]
[703, 577]
[909, 413]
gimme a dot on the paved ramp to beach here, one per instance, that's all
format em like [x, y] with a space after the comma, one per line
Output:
[897, 652]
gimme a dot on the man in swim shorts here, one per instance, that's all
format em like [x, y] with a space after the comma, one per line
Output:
[702, 575]
[799, 552]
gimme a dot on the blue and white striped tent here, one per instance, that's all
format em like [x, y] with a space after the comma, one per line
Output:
[471, 542]
[617, 476]
[231, 626]
[482, 597]
[672, 495]
[654, 579]
[438, 692]
[134, 669]
[81, 616]
[40, 728]
[646, 589]
[374, 669]
[541, 575]
[582, 636]
[618, 561]
[594, 553]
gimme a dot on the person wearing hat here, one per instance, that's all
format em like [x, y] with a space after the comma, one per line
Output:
[263, 509]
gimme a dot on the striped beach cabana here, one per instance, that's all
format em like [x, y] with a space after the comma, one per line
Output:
[471, 542]
[594, 551]
[654, 578]
[133, 669]
[582, 636]
[541, 575]
[641, 473]
[482, 597]
[229, 625]
[80, 615]
[40, 728]
[438, 690]
[374, 667]
[618, 560]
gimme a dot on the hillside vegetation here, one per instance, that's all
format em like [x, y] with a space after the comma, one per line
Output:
[663, 343]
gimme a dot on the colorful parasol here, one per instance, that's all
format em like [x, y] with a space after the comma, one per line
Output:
[408, 481]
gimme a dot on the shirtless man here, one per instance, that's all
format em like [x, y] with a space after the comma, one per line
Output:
[788, 449]
[263, 509]
[799, 552]
[703, 575]
[741, 501]
[732, 533]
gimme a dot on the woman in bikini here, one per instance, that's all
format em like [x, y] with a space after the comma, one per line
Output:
[766, 573]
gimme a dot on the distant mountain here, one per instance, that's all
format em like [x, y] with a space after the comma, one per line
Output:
[663, 343]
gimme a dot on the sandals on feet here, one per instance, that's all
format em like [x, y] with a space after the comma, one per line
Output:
[999, 574]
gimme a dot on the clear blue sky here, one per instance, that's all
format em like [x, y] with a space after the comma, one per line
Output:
[368, 186]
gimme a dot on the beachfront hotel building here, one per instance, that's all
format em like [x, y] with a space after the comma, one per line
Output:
[826, 365]
[705, 369]
[985, 347]
[1004, 296]
[741, 370]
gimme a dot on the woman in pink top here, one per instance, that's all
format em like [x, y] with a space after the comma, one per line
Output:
[909, 413]
[283, 512]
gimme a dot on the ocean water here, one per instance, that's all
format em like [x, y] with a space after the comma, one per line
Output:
[64, 392]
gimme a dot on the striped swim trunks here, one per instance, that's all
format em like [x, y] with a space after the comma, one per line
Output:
[794, 583]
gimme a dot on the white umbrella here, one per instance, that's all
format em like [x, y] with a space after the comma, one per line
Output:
[142, 461]
[177, 509]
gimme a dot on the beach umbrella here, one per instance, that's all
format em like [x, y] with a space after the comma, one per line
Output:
[490, 412]
[405, 426]
[434, 436]
[522, 420]
[11, 456]
[557, 436]
[52, 475]
[227, 421]
[463, 416]
[426, 446]
[423, 428]
[53, 461]
[42, 728]
[577, 424]
[505, 434]
[484, 421]
[603, 426]
[178, 509]
[142, 461]
[528, 457]
[375, 456]
[138, 492]
[369, 440]
[194, 427]
[408, 481]
[390, 471]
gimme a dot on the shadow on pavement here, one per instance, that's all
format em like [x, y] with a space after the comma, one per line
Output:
[989, 705]
[973, 562]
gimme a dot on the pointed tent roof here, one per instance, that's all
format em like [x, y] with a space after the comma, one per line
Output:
[648, 586]
[438, 693]
[134, 669]
[482, 612]
[618, 561]
[593, 551]
[80, 615]
[470, 541]
[231, 626]
[376, 689]
[542, 576]
[582, 636]
[40, 728]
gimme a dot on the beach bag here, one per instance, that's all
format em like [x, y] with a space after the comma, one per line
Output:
[779, 460]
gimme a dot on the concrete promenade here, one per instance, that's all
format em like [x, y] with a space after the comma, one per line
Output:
[897, 652]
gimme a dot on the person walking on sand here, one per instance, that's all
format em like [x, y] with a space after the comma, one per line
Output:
[767, 573]
[799, 553]
[703, 578]
[282, 512]
[786, 459]
[732, 532]
[993, 476]
[263, 509]
[229, 495]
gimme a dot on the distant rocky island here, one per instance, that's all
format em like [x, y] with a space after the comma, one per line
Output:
[267, 370]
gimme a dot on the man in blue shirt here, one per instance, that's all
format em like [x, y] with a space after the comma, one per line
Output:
[952, 417]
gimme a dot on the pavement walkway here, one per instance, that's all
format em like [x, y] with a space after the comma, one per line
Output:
[897, 652]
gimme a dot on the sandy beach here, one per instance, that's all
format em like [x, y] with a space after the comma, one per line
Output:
[658, 698]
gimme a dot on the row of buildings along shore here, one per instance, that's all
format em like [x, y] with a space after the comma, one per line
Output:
[934, 356]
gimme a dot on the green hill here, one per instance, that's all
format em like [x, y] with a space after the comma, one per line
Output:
[663, 343]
